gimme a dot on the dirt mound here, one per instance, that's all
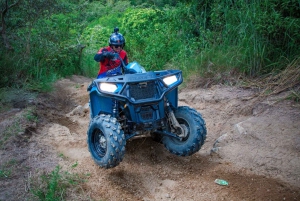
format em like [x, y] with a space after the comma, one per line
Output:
[253, 144]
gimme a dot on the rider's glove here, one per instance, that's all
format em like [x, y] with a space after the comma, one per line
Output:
[110, 55]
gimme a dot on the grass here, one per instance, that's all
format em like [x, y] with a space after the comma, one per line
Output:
[31, 115]
[5, 173]
[56, 185]
[11, 130]
[77, 85]
[7, 168]
[294, 96]
[61, 155]
[277, 82]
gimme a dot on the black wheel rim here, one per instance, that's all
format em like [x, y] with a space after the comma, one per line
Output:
[99, 143]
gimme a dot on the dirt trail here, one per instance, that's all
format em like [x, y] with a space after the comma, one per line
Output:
[254, 145]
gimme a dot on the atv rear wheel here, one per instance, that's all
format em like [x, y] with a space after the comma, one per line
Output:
[195, 129]
[106, 141]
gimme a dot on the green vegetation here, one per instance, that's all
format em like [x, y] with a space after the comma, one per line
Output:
[61, 155]
[49, 39]
[7, 168]
[4, 173]
[9, 132]
[295, 96]
[55, 185]
[31, 115]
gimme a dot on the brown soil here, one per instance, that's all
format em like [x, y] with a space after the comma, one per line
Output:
[252, 143]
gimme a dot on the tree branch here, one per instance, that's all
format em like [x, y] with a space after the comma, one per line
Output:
[14, 4]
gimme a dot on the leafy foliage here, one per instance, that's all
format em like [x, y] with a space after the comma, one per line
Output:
[45, 44]
[57, 38]
[141, 34]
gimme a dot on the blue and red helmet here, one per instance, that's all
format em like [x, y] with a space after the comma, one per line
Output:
[116, 38]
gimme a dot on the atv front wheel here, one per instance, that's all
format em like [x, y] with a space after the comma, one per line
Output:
[195, 132]
[106, 141]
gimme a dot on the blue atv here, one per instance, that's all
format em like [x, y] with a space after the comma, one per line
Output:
[140, 103]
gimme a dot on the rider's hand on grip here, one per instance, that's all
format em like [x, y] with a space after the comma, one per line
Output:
[110, 55]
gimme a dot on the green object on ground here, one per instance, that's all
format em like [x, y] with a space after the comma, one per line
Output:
[221, 182]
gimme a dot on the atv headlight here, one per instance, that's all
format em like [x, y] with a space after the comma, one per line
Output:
[108, 87]
[170, 80]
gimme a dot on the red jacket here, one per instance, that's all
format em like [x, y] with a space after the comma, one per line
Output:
[109, 64]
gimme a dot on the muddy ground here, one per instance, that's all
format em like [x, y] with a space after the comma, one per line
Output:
[253, 143]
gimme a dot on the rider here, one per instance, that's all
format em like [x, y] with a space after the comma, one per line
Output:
[109, 57]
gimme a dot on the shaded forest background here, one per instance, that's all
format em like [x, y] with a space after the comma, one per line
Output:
[44, 40]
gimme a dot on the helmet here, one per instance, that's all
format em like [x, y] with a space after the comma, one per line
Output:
[116, 38]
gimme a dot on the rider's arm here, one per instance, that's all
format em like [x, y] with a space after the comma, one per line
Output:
[99, 57]
[101, 54]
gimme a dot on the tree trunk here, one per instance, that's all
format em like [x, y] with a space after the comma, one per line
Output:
[3, 23]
